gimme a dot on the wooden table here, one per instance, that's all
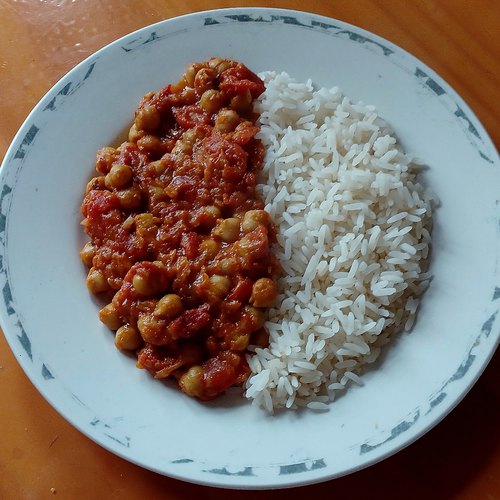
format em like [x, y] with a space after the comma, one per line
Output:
[41, 455]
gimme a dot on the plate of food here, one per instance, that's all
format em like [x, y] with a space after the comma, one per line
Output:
[251, 248]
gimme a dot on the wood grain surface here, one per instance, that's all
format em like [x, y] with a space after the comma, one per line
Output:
[41, 455]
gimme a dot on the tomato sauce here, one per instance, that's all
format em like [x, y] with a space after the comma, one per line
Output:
[180, 245]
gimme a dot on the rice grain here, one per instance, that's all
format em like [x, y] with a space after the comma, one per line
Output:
[353, 239]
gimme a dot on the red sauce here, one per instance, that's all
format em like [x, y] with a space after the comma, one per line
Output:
[180, 243]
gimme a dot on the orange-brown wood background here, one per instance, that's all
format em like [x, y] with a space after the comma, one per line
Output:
[41, 455]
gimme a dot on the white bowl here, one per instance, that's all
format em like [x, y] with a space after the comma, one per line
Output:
[51, 322]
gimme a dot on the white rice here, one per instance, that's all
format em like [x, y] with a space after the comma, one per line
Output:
[353, 239]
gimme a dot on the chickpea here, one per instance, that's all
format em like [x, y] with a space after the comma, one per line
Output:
[186, 142]
[256, 317]
[228, 230]
[134, 135]
[147, 118]
[214, 62]
[130, 198]
[191, 382]
[228, 266]
[192, 135]
[128, 223]
[119, 177]
[127, 338]
[159, 166]
[151, 144]
[204, 80]
[240, 342]
[170, 306]
[264, 293]
[147, 98]
[104, 159]
[149, 327]
[188, 95]
[213, 211]
[226, 121]
[254, 218]
[157, 193]
[182, 147]
[96, 183]
[178, 87]
[234, 359]
[143, 284]
[219, 65]
[222, 67]
[142, 325]
[211, 101]
[246, 246]
[145, 220]
[190, 74]
[96, 282]
[219, 285]
[209, 248]
[87, 254]
[109, 316]
[144, 223]
[209, 216]
[241, 102]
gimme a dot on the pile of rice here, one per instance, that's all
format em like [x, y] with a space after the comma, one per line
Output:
[353, 240]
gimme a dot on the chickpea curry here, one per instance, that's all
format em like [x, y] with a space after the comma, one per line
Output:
[179, 241]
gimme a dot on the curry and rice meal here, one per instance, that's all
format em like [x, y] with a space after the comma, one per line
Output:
[256, 231]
